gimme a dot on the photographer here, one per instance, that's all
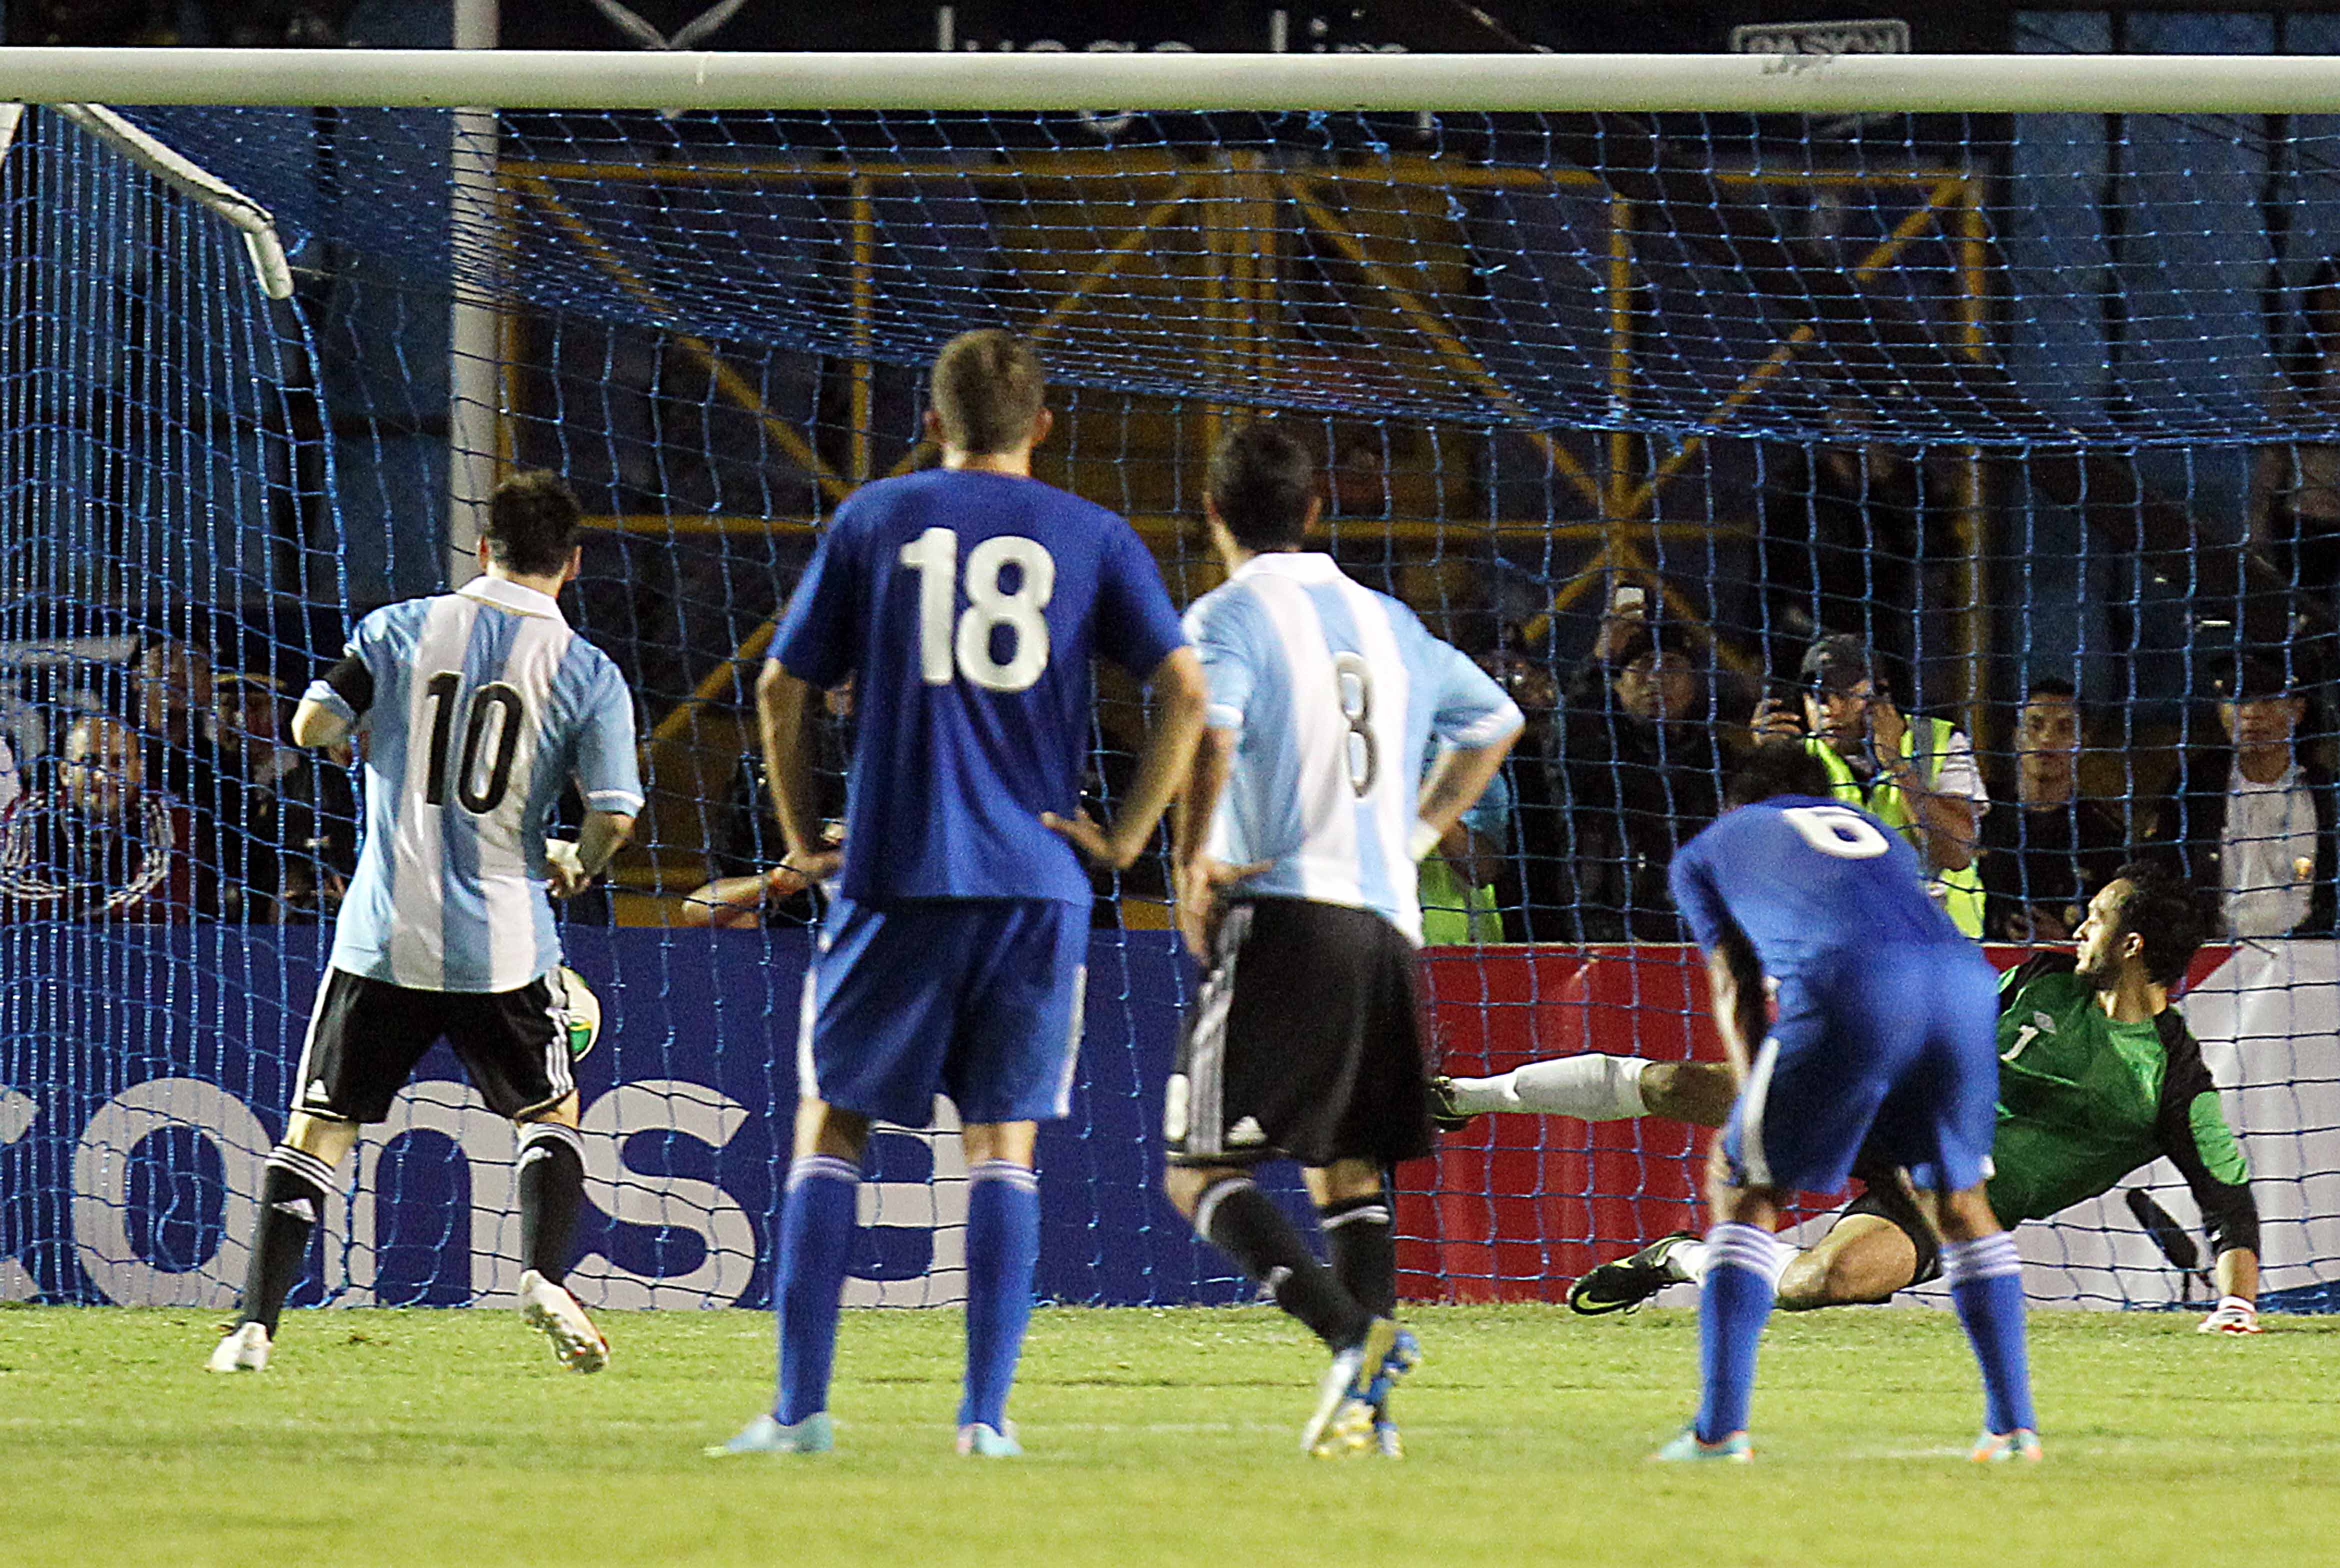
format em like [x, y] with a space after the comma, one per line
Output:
[1918, 774]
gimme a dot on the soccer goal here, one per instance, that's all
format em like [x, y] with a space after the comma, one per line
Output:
[1635, 376]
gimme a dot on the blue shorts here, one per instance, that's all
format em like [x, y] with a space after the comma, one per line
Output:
[979, 999]
[1891, 1056]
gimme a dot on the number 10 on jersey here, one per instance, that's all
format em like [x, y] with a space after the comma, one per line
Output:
[962, 645]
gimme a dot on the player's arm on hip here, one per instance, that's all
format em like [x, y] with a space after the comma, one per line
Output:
[1456, 781]
[1476, 723]
[1164, 764]
[1735, 978]
[784, 709]
[571, 867]
[1200, 882]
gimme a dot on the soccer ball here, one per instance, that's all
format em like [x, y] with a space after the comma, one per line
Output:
[578, 1009]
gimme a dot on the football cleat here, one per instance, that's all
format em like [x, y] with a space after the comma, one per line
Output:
[550, 1309]
[815, 1433]
[1386, 1442]
[1443, 1113]
[979, 1440]
[1403, 1356]
[245, 1349]
[2232, 1315]
[1688, 1448]
[1623, 1285]
[2004, 1447]
[1343, 1422]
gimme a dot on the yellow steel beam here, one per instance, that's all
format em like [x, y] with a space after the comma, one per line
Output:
[1406, 170]
[1620, 353]
[1972, 520]
[822, 169]
[1427, 321]
[1102, 271]
[1880, 257]
[1163, 525]
[863, 405]
[721, 684]
[728, 380]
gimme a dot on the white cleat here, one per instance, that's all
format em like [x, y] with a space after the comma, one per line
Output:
[549, 1308]
[1342, 1422]
[245, 1349]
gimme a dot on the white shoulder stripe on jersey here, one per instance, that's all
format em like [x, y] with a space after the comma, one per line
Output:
[1391, 808]
[417, 942]
[1504, 721]
[1319, 740]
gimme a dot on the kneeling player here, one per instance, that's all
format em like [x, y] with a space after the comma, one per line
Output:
[2098, 1077]
[1308, 803]
[478, 707]
[1882, 1042]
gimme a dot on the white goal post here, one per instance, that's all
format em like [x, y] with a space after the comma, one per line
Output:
[1763, 84]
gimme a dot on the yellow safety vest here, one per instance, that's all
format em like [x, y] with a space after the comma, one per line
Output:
[1454, 913]
[1960, 892]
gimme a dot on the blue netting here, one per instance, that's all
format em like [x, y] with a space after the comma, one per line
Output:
[2006, 399]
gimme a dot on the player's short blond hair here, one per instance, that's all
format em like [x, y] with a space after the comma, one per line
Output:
[987, 387]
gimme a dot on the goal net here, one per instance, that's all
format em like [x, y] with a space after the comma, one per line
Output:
[2034, 408]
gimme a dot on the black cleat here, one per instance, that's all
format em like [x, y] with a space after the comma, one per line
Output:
[1623, 1285]
[1443, 1116]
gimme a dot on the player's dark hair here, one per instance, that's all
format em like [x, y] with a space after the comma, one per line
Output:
[986, 387]
[2164, 909]
[1777, 767]
[532, 524]
[1261, 483]
[2050, 686]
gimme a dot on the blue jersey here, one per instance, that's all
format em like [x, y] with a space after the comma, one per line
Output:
[480, 708]
[1805, 878]
[966, 606]
[1339, 695]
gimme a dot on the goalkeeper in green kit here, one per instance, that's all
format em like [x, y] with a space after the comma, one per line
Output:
[2097, 1077]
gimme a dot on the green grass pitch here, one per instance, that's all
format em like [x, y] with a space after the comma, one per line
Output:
[1152, 1437]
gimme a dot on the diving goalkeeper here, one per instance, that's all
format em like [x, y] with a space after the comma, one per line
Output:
[2097, 1077]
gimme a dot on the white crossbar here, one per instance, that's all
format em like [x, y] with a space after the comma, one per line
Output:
[1809, 85]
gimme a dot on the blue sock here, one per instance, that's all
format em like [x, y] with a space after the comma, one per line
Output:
[817, 1220]
[1003, 1247]
[1986, 1281]
[1742, 1274]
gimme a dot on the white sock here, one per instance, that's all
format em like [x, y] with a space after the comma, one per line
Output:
[1691, 1259]
[1591, 1088]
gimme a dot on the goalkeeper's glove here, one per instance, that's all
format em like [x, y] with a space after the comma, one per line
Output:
[2233, 1316]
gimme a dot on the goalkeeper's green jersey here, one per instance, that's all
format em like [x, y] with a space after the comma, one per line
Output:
[2083, 1101]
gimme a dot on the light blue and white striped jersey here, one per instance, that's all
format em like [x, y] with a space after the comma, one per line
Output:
[1338, 693]
[480, 706]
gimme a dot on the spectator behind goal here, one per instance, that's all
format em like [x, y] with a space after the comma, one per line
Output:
[1639, 773]
[2251, 821]
[2046, 852]
[1916, 775]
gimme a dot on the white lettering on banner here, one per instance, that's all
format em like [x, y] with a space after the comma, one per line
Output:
[17, 1112]
[937, 1206]
[671, 1105]
[101, 1201]
[355, 1217]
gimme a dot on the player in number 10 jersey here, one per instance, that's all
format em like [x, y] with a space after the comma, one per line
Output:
[478, 708]
[965, 603]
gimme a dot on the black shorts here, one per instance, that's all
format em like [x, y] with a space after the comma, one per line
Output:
[1886, 1199]
[1303, 1042]
[366, 1036]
